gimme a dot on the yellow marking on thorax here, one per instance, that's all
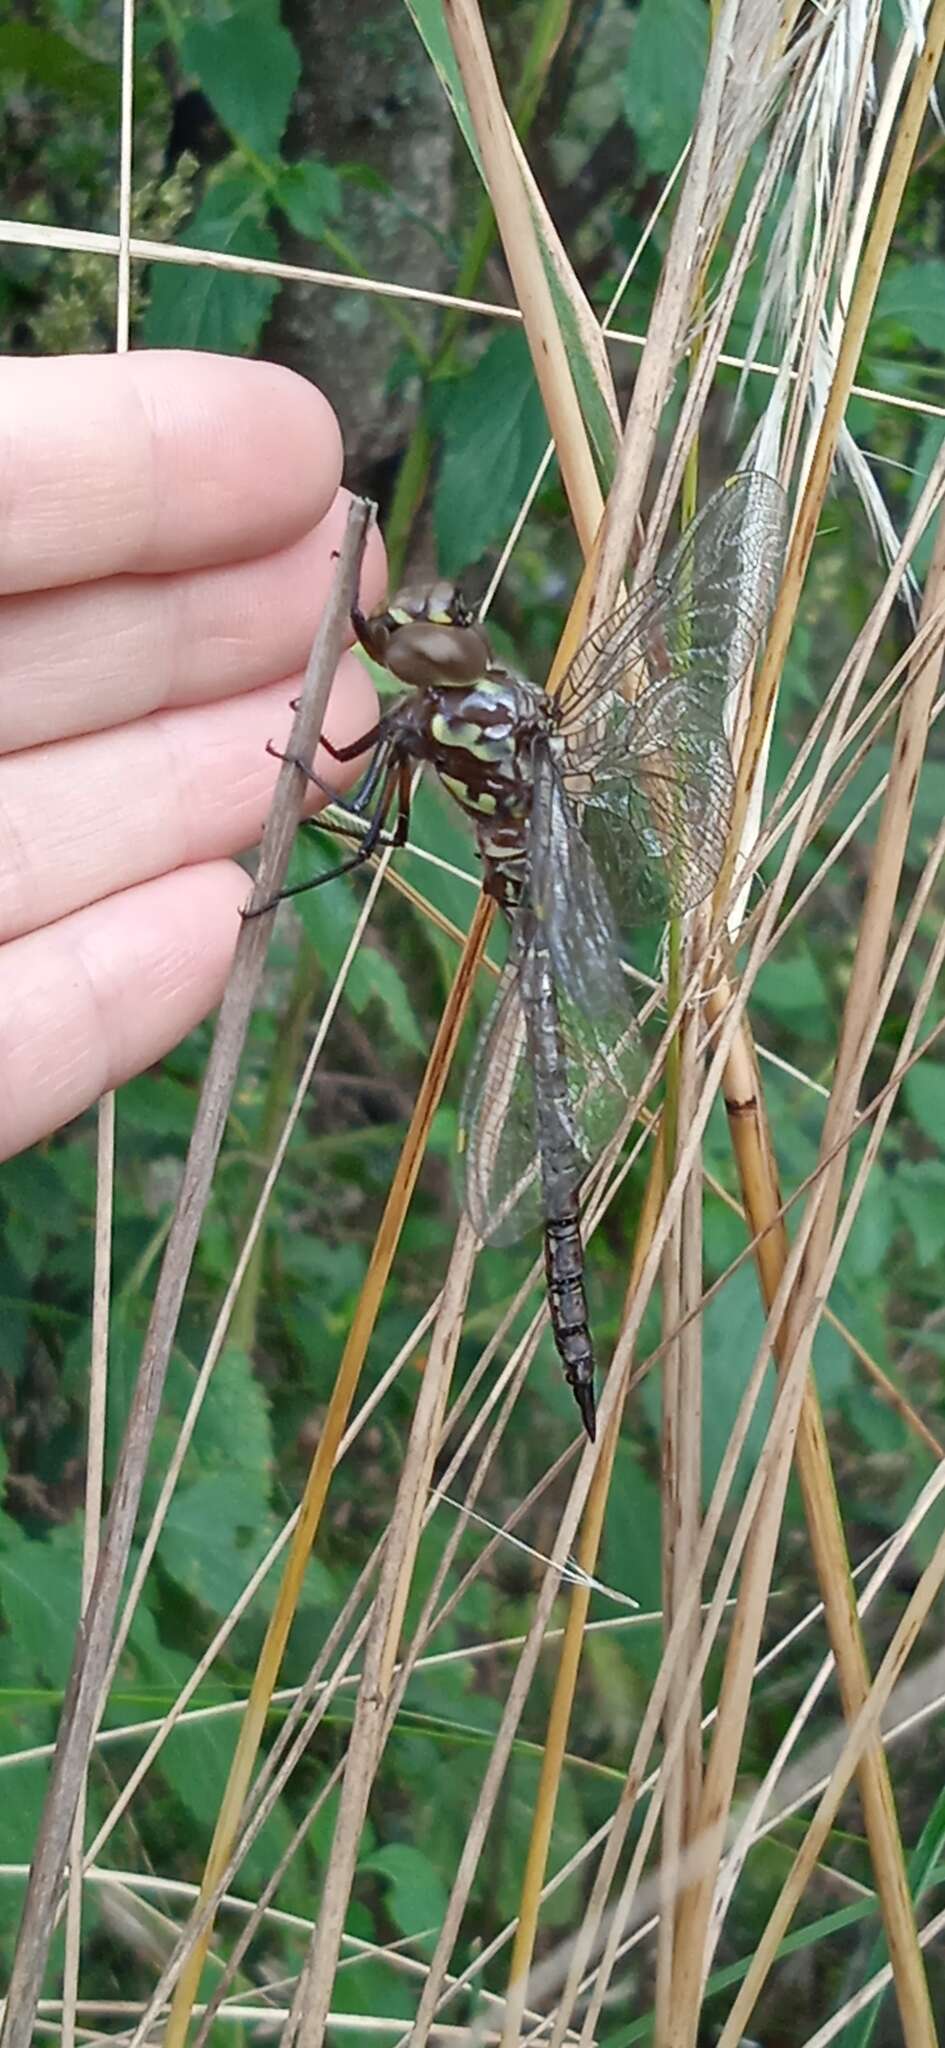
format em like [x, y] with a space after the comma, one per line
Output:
[464, 733]
[464, 795]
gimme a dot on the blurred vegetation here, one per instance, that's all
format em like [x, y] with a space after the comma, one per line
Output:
[225, 127]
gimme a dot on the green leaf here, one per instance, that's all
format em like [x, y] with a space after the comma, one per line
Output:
[494, 426]
[38, 57]
[792, 988]
[375, 979]
[873, 1228]
[919, 1192]
[309, 194]
[732, 1327]
[429, 18]
[39, 1595]
[215, 309]
[37, 1182]
[21, 1809]
[249, 68]
[233, 1431]
[216, 1532]
[329, 916]
[416, 1894]
[664, 75]
[912, 295]
[430, 23]
[924, 1091]
[631, 1551]
[158, 1106]
[924, 1868]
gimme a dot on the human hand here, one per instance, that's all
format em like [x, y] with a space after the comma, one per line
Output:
[167, 522]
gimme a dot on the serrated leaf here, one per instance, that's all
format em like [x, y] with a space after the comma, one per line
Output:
[309, 194]
[415, 1893]
[664, 76]
[215, 1533]
[233, 1431]
[222, 311]
[248, 66]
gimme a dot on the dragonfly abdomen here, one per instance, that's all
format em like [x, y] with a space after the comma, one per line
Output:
[564, 1272]
[561, 1168]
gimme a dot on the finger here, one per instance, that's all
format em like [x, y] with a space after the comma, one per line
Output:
[103, 994]
[99, 654]
[88, 816]
[156, 461]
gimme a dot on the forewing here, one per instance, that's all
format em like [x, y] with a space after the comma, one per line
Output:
[517, 1169]
[643, 752]
[700, 617]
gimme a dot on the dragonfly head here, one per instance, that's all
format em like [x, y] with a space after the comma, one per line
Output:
[428, 635]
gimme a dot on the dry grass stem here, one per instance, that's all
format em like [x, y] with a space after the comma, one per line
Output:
[367, 1735]
[559, 1717]
[811, 1849]
[861, 1021]
[317, 1484]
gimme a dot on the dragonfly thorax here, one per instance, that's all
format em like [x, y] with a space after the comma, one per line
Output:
[481, 743]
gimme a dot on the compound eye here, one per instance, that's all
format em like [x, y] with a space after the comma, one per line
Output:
[427, 653]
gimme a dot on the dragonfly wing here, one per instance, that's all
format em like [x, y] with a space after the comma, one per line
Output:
[640, 730]
[521, 1165]
[571, 902]
[657, 825]
[498, 1125]
[702, 614]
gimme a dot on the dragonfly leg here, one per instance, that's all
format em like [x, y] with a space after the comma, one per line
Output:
[348, 753]
[357, 804]
[397, 779]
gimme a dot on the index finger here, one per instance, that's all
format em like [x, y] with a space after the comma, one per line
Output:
[155, 461]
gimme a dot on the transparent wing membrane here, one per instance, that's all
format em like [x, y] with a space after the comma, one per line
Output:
[642, 752]
[523, 1162]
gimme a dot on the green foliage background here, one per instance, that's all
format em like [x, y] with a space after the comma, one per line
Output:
[628, 77]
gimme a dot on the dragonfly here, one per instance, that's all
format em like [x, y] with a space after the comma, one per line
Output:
[597, 809]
